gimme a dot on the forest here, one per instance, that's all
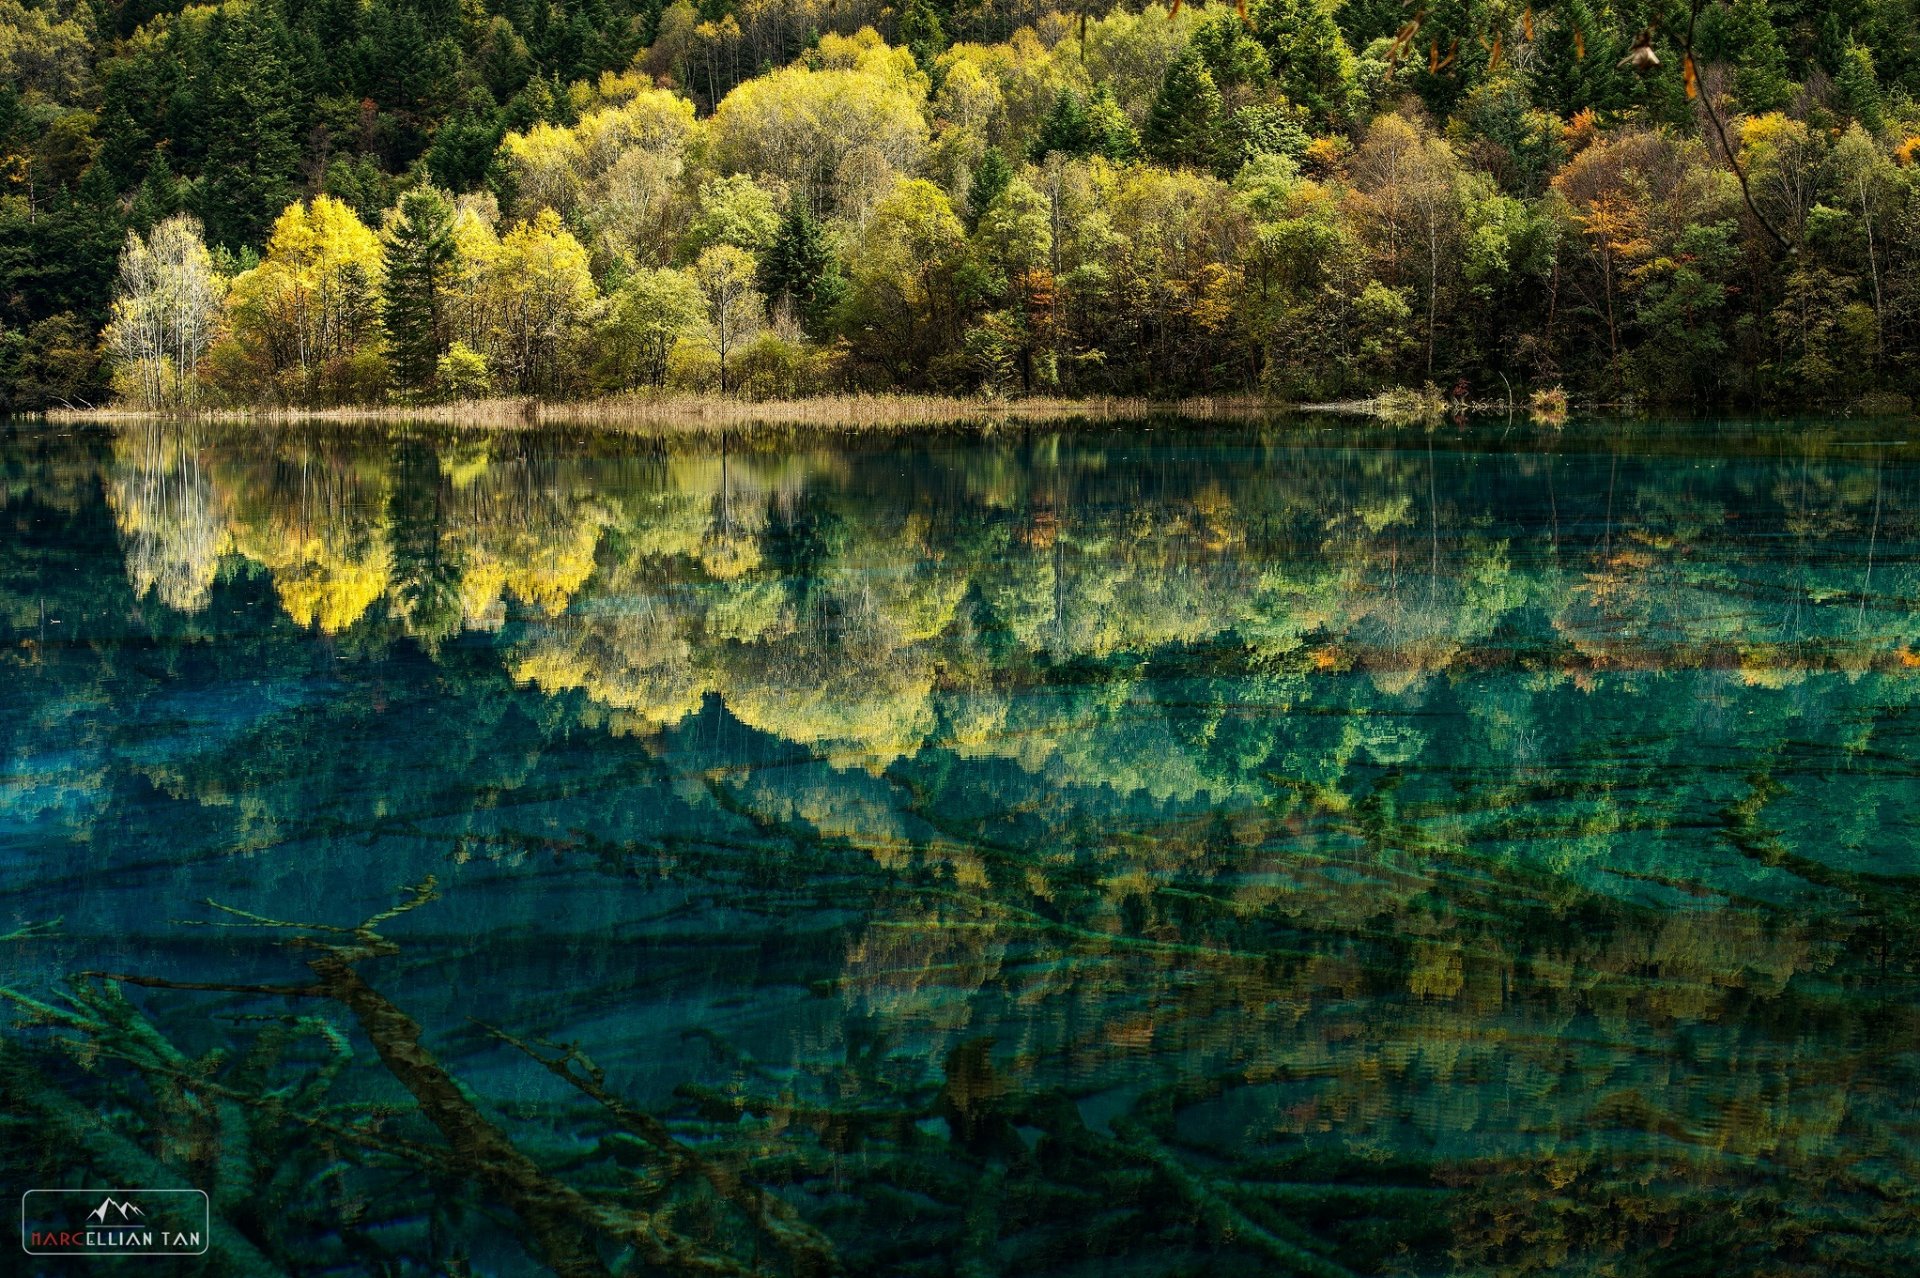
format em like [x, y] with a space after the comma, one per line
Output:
[396, 201]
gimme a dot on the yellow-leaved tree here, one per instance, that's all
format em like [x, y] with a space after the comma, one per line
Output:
[616, 174]
[838, 129]
[542, 298]
[306, 321]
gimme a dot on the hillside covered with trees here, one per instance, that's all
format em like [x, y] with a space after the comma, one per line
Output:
[357, 201]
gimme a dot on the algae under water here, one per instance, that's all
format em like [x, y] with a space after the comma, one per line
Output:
[1300, 847]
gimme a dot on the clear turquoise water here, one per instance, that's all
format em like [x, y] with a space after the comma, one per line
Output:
[1180, 850]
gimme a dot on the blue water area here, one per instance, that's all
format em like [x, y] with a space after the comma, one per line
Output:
[1299, 847]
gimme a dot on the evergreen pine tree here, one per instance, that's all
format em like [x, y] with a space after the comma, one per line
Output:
[124, 148]
[1760, 80]
[800, 269]
[1109, 131]
[1310, 56]
[1183, 126]
[1065, 129]
[921, 32]
[464, 145]
[418, 255]
[160, 196]
[990, 177]
[1740, 33]
[1576, 61]
[1857, 88]
[253, 151]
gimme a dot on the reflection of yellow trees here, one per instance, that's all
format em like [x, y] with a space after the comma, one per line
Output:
[1192, 858]
[514, 529]
[869, 707]
[317, 520]
[637, 663]
[655, 582]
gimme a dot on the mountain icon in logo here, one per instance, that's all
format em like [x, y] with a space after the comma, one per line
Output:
[127, 1210]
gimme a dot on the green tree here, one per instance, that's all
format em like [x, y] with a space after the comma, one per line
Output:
[904, 308]
[1236, 60]
[1065, 129]
[1681, 307]
[734, 210]
[920, 31]
[801, 270]
[1183, 127]
[650, 313]
[1112, 133]
[1309, 56]
[1857, 88]
[1741, 32]
[990, 177]
[418, 252]
[254, 150]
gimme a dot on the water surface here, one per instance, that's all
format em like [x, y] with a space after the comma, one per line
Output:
[1304, 848]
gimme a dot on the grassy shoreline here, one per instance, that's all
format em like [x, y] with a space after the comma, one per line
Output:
[699, 414]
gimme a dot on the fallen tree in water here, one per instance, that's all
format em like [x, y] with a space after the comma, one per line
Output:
[564, 1227]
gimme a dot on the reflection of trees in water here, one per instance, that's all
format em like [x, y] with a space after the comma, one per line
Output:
[1339, 855]
[171, 520]
[314, 513]
[828, 567]
[1588, 1074]
[1328, 1046]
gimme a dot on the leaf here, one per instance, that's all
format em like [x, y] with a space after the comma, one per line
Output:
[1688, 76]
[1526, 22]
[1579, 44]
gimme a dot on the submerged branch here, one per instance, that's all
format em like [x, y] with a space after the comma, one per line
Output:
[805, 1246]
[560, 1222]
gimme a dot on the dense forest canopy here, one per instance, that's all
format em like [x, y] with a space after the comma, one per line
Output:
[357, 200]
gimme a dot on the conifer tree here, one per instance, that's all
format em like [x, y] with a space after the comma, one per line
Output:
[1110, 132]
[1760, 80]
[159, 196]
[921, 32]
[1856, 87]
[418, 255]
[1311, 59]
[800, 269]
[1065, 129]
[254, 149]
[1184, 125]
[990, 177]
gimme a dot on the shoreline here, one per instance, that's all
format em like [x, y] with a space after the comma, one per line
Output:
[703, 414]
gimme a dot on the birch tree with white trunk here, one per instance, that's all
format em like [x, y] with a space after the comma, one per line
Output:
[166, 313]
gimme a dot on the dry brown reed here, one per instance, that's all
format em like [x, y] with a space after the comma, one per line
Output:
[703, 414]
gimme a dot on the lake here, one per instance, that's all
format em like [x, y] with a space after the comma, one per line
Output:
[1300, 847]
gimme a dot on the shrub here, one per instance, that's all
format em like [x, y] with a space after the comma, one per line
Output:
[775, 367]
[692, 366]
[462, 373]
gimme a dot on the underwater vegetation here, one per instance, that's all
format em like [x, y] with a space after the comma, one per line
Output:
[1288, 848]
